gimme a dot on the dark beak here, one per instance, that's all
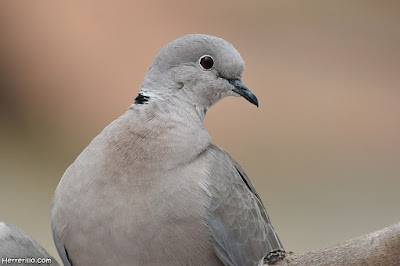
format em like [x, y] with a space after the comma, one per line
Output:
[242, 90]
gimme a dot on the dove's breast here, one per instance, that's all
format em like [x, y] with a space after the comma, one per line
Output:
[133, 214]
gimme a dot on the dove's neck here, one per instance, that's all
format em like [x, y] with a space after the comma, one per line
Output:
[173, 90]
[159, 135]
[177, 109]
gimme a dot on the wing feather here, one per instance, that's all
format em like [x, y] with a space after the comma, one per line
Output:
[242, 231]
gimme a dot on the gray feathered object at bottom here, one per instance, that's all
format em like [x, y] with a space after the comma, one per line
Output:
[16, 244]
[152, 189]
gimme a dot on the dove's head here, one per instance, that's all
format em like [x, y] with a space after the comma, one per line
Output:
[199, 69]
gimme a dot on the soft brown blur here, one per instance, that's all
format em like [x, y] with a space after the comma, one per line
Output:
[323, 149]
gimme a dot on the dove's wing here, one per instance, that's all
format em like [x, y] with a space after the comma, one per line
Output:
[240, 225]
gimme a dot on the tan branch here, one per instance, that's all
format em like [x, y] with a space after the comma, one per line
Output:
[379, 248]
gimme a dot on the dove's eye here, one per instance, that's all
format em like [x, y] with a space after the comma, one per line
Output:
[206, 62]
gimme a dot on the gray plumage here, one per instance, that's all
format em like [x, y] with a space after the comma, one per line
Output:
[15, 244]
[152, 189]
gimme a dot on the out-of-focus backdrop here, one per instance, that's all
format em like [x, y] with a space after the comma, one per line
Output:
[323, 149]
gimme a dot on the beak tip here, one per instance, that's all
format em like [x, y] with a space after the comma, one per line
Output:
[254, 101]
[242, 90]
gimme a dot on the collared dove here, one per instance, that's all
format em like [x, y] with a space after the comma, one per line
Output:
[151, 188]
[18, 248]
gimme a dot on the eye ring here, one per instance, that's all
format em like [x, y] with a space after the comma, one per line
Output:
[206, 62]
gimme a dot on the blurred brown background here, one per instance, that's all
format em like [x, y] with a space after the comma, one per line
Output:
[323, 149]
